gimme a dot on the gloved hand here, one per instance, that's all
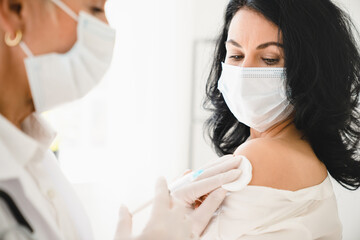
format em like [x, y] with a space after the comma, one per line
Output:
[167, 222]
[216, 174]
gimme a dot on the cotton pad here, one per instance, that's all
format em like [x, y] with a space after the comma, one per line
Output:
[244, 179]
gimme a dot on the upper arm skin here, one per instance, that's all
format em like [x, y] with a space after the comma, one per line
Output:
[276, 165]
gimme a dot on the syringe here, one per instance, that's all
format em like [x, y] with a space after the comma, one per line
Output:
[173, 187]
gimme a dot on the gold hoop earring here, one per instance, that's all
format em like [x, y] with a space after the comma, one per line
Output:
[13, 42]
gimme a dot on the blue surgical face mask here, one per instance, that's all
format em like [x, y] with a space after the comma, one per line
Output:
[255, 96]
[60, 78]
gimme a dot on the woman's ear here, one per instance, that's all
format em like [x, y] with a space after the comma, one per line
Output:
[11, 16]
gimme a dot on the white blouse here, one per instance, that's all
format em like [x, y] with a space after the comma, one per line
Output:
[257, 212]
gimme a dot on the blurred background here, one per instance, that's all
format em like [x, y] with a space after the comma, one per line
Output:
[145, 120]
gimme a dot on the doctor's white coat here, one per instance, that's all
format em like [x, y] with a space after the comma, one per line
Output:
[30, 174]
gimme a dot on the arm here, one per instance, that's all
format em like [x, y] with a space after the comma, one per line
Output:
[266, 156]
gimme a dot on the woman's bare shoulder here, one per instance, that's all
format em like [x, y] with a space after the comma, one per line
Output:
[282, 165]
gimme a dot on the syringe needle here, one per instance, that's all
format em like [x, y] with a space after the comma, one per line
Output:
[142, 207]
[176, 185]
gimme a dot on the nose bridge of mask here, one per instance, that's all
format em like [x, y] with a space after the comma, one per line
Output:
[89, 24]
[269, 79]
[93, 33]
[66, 9]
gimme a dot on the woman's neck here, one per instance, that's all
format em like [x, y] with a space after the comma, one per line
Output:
[274, 131]
[15, 96]
[15, 112]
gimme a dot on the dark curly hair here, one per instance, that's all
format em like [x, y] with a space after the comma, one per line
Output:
[322, 62]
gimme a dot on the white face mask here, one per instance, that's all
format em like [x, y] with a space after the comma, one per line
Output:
[60, 78]
[256, 96]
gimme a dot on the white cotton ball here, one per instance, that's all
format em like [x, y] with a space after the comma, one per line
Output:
[244, 179]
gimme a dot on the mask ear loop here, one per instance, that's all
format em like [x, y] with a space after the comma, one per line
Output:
[66, 9]
[26, 49]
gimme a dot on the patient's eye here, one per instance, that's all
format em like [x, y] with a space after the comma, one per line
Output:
[271, 61]
[236, 57]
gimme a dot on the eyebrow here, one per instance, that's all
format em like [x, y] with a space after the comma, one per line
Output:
[261, 46]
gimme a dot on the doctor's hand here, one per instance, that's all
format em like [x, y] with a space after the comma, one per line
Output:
[208, 186]
[168, 220]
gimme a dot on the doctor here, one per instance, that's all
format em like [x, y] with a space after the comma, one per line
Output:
[53, 52]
